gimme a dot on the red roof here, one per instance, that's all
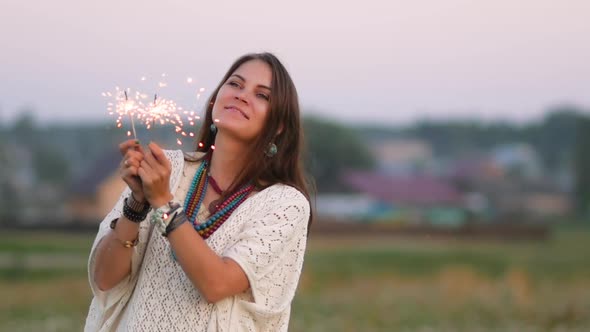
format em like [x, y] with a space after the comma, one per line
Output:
[421, 190]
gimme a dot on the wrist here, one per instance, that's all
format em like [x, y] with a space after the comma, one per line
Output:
[140, 198]
[161, 201]
[164, 215]
[135, 211]
[137, 204]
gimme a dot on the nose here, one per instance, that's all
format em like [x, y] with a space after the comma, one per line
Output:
[240, 96]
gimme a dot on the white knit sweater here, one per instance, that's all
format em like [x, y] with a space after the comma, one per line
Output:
[266, 235]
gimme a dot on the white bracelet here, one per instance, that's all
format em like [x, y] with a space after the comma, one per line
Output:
[162, 216]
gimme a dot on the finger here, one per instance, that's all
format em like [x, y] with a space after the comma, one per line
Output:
[144, 177]
[159, 154]
[139, 148]
[160, 164]
[132, 163]
[131, 143]
[133, 170]
[159, 170]
[134, 154]
[145, 172]
[129, 172]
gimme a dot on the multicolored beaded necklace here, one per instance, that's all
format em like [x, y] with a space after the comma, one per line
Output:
[196, 194]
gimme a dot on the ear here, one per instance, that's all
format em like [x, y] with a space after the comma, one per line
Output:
[280, 130]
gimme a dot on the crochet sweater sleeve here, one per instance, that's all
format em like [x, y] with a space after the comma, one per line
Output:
[270, 250]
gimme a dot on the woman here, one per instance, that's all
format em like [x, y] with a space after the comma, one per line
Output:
[213, 241]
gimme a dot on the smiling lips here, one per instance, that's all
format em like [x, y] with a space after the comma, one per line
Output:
[238, 110]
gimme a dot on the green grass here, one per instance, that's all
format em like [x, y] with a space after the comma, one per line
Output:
[45, 242]
[447, 285]
[379, 284]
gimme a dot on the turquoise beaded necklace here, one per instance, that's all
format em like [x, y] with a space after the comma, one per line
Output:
[196, 195]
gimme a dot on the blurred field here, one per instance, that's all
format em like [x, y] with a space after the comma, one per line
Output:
[349, 284]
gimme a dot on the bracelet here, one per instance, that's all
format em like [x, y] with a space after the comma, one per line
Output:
[132, 214]
[179, 219]
[126, 243]
[162, 216]
[136, 205]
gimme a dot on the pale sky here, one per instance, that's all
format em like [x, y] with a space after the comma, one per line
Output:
[358, 62]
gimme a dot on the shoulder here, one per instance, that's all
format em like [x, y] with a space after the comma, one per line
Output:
[286, 191]
[281, 195]
[277, 211]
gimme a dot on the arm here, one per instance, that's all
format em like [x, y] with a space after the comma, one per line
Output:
[113, 259]
[215, 277]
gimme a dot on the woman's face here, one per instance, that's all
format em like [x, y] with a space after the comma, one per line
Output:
[243, 101]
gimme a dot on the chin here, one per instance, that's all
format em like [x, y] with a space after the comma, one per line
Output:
[239, 132]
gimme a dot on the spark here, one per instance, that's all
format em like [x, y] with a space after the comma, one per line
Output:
[136, 105]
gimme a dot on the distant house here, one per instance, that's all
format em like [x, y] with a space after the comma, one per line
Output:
[17, 170]
[548, 205]
[402, 156]
[482, 168]
[508, 186]
[95, 193]
[518, 159]
[344, 207]
[410, 199]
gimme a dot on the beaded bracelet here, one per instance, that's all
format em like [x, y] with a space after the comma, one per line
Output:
[136, 205]
[133, 215]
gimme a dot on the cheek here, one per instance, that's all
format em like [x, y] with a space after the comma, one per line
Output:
[263, 111]
[262, 107]
[217, 102]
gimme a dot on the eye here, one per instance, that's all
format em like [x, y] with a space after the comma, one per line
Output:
[263, 96]
[234, 84]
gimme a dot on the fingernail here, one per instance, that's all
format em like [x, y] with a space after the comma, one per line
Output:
[136, 141]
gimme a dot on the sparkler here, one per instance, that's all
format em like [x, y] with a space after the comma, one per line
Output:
[161, 111]
[127, 104]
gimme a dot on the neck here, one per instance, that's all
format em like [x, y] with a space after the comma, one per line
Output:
[228, 159]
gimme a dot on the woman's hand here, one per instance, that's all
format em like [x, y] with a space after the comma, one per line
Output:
[154, 171]
[133, 155]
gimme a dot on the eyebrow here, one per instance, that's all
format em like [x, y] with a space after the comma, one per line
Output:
[243, 79]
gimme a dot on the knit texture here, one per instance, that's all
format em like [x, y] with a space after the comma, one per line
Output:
[266, 235]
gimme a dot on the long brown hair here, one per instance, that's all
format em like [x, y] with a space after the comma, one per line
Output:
[283, 128]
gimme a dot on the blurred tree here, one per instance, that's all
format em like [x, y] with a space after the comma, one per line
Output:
[25, 122]
[451, 138]
[555, 138]
[333, 148]
[24, 128]
[582, 167]
[50, 166]
[10, 202]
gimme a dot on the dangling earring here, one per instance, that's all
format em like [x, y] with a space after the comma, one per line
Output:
[213, 128]
[272, 150]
